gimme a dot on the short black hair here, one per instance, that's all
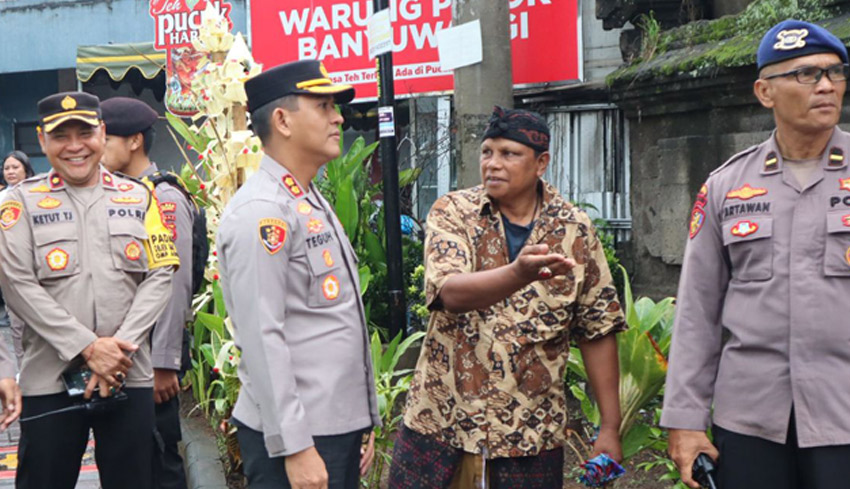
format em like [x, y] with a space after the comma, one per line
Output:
[149, 135]
[24, 159]
[261, 117]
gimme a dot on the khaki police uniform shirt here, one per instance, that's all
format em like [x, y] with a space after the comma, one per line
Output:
[75, 268]
[291, 286]
[167, 336]
[769, 261]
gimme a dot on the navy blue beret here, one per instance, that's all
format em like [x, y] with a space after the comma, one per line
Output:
[794, 38]
[126, 116]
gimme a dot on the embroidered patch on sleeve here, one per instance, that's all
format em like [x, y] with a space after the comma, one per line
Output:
[10, 212]
[697, 220]
[167, 210]
[273, 233]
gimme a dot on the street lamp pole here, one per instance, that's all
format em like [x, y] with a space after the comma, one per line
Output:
[389, 166]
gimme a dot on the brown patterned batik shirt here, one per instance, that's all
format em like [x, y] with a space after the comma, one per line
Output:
[493, 378]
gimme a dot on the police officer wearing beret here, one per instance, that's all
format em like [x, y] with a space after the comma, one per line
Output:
[291, 286]
[86, 262]
[768, 261]
[129, 138]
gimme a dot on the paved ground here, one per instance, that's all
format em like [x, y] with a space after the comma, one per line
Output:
[9, 448]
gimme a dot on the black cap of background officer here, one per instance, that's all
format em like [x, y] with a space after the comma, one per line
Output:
[55, 109]
[125, 116]
[307, 77]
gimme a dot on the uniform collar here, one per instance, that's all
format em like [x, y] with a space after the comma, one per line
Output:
[833, 158]
[55, 182]
[283, 177]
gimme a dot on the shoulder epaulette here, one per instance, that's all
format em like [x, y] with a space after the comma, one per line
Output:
[736, 158]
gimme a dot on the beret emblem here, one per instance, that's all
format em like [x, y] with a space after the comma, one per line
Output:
[791, 39]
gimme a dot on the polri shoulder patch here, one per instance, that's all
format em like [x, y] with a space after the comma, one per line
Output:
[697, 220]
[273, 233]
[10, 212]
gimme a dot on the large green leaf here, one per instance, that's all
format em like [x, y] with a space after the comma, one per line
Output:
[346, 207]
[636, 439]
[211, 322]
[374, 248]
[197, 141]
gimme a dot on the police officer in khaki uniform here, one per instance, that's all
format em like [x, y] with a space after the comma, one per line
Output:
[768, 261]
[291, 285]
[87, 263]
[129, 137]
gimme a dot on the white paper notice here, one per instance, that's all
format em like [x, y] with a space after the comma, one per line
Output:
[380, 33]
[460, 46]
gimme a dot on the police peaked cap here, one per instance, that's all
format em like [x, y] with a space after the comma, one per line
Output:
[54, 110]
[794, 38]
[125, 116]
[306, 77]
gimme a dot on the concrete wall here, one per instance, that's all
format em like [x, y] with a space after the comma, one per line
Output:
[601, 51]
[44, 35]
[679, 133]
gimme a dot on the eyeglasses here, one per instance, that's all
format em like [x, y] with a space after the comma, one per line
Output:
[810, 75]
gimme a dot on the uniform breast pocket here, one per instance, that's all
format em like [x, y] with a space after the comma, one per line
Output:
[56, 251]
[329, 282]
[126, 241]
[748, 241]
[836, 257]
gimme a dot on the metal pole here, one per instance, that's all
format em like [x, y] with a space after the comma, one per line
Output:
[389, 166]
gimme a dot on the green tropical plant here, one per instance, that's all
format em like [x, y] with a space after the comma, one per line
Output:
[389, 385]
[643, 350]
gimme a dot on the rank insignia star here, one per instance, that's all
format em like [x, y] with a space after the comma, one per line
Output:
[315, 226]
[56, 181]
[746, 192]
[292, 185]
[133, 251]
[49, 203]
[744, 228]
[844, 184]
[57, 259]
[10, 212]
[272, 234]
[330, 287]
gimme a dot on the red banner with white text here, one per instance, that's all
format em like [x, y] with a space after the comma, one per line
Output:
[545, 41]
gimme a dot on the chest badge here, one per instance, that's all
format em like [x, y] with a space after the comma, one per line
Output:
[126, 187]
[133, 251]
[315, 226]
[10, 212]
[844, 184]
[746, 192]
[330, 287]
[126, 200]
[49, 203]
[41, 189]
[57, 259]
[272, 234]
[744, 228]
[329, 259]
[304, 208]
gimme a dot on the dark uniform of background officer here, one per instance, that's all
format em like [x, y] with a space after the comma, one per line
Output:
[768, 261]
[129, 138]
[291, 285]
[86, 263]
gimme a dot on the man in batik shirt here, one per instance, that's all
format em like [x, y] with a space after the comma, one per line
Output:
[513, 274]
